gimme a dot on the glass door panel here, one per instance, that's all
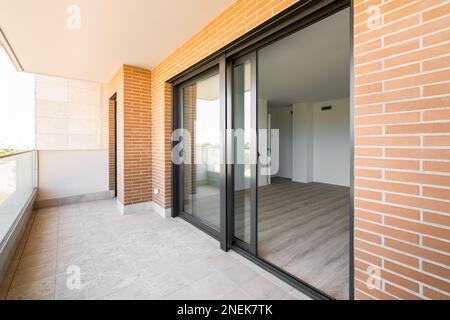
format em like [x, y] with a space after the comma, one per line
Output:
[202, 138]
[304, 208]
[244, 147]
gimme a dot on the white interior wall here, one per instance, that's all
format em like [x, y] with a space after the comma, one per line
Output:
[321, 142]
[262, 142]
[71, 136]
[241, 182]
[302, 142]
[282, 120]
[332, 142]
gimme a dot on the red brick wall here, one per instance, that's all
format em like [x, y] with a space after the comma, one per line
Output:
[137, 135]
[402, 149]
[134, 179]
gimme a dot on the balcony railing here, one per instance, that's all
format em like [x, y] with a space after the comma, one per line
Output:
[18, 183]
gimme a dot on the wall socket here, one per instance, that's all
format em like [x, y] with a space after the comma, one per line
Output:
[155, 191]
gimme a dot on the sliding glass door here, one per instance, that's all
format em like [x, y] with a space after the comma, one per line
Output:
[291, 186]
[280, 194]
[200, 115]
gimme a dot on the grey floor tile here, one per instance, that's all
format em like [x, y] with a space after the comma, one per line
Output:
[260, 288]
[215, 286]
[185, 293]
[139, 256]
[33, 290]
[295, 295]
[240, 273]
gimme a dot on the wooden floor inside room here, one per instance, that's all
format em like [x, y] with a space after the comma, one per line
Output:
[304, 230]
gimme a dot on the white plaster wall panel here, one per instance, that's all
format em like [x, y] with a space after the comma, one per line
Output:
[52, 126]
[104, 118]
[82, 142]
[51, 109]
[69, 108]
[83, 127]
[49, 141]
[83, 84]
[88, 93]
[70, 125]
[83, 111]
[51, 88]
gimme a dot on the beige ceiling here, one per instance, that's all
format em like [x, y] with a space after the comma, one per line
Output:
[112, 33]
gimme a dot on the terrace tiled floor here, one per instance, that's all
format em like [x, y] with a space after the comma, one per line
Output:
[140, 256]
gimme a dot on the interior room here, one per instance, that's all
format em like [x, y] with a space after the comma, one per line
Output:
[304, 203]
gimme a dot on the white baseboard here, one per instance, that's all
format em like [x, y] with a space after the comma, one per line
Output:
[134, 208]
[166, 213]
[104, 195]
[139, 207]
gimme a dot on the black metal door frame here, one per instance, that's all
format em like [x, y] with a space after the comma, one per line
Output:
[114, 98]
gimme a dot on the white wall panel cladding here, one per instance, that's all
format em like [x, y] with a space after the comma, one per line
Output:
[69, 114]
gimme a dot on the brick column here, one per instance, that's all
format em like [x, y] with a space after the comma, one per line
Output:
[134, 180]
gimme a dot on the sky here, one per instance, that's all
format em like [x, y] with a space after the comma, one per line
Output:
[17, 121]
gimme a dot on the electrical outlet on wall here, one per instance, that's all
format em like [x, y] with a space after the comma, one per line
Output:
[156, 191]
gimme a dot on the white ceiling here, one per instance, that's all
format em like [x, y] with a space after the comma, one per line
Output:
[310, 65]
[112, 33]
